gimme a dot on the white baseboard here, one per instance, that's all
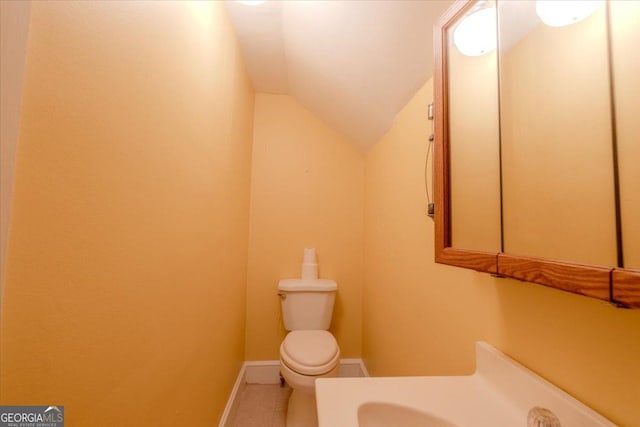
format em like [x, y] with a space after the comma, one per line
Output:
[268, 372]
[350, 368]
[232, 404]
[363, 367]
[262, 372]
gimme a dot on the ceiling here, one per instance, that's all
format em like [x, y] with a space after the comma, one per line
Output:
[354, 64]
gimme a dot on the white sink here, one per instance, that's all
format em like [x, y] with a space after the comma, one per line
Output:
[380, 414]
[500, 393]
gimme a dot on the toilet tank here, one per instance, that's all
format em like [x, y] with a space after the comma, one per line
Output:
[307, 304]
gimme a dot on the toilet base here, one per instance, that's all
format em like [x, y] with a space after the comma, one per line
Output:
[304, 383]
[302, 410]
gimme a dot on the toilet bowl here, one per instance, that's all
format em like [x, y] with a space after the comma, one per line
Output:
[306, 355]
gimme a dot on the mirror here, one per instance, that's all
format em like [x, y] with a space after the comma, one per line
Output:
[474, 130]
[625, 38]
[537, 143]
[555, 121]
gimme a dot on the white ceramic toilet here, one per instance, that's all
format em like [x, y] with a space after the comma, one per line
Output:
[308, 351]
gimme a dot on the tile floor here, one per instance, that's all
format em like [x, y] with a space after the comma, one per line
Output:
[262, 406]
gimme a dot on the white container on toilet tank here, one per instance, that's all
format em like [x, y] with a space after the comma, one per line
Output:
[309, 265]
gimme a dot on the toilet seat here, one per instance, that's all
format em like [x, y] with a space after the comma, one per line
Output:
[310, 352]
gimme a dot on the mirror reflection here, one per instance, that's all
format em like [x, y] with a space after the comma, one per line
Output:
[473, 130]
[625, 38]
[555, 122]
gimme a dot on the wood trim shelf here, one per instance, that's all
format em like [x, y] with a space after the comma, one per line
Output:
[581, 279]
[486, 262]
[625, 287]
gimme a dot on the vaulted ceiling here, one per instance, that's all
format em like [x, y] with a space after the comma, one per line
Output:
[353, 63]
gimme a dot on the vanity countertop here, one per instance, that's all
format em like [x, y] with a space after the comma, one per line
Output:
[500, 393]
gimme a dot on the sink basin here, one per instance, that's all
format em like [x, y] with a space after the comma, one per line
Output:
[381, 414]
[499, 393]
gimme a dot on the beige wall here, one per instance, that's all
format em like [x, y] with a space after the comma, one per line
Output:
[557, 164]
[125, 292]
[14, 30]
[423, 318]
[307, 190]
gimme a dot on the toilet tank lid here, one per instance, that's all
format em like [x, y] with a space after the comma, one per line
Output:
[307, 285]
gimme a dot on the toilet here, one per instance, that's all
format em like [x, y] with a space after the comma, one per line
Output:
[309, 351]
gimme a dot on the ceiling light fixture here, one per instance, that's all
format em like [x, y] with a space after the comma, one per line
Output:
[477, 33]
[559, 13]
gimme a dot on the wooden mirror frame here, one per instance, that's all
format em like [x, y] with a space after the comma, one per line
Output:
[620, 286]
